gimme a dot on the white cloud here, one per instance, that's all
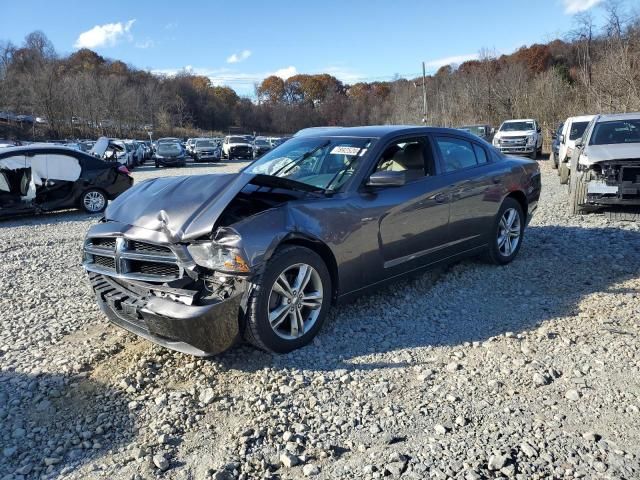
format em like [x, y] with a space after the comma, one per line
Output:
[239, 57]
[285, 73]
[577, 6]
[106, 35]
[453, 60]
[342, 73]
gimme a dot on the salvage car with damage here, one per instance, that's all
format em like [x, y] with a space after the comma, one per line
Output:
[605, 168]
[41, 178]
[196, 263]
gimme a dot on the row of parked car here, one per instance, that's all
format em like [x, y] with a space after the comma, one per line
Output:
[598, 157]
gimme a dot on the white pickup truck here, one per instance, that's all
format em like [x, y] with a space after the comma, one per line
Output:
[520, 137]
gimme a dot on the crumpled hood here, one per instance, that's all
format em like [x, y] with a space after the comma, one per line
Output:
[183, 208]
[603, 153]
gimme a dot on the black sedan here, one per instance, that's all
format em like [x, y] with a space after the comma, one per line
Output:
[170, 154]
[196, 263]
[45, 178]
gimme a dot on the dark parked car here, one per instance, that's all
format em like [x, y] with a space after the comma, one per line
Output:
[45, 178]
[170, 154]
[196, 263]
[260, 147]
[485, 132]
[205, 150]
[555, 145]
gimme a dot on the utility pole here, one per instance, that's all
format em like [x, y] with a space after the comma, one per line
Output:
[424, 93]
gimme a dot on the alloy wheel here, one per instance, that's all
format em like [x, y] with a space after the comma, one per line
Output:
[509, 232]
[94, 201]
[295, 301]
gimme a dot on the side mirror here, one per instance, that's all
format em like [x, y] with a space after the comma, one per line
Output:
[561, 138]
[387, 178]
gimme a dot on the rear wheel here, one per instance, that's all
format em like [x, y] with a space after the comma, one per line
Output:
[507, 232]
[93, 201]
[289, 301]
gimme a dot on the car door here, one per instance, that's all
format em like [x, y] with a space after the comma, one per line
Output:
[476, 186]
[58, 173]
[410, 220]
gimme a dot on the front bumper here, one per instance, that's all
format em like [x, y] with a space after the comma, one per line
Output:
[517, 150]
[195, 330]
[172, 162]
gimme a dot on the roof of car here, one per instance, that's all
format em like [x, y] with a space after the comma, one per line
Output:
[580, 118]
[378, 131]
[51, 146]
[618, 116]
[520, 120]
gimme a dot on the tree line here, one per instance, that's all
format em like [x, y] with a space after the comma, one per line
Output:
[83, 94]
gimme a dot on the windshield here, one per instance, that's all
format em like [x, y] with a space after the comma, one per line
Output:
[577, 129]
[617, 131]
[325, 163]
[516, 126]
[204, 144]
[237, 140]
[169, 148]
[263, 143]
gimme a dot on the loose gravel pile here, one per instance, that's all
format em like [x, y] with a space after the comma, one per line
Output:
[471, 371]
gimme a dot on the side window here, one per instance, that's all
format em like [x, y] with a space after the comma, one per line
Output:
[456, 153]
[408, 156]
[481, 154]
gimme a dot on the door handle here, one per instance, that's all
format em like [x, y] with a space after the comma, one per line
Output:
[441, 197]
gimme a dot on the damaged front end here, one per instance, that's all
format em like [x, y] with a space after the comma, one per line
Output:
[184, 296]
[613, 182]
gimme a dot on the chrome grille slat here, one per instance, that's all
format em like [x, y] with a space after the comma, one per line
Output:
[131, 259]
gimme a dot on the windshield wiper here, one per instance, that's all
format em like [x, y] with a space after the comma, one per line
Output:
[304, 156]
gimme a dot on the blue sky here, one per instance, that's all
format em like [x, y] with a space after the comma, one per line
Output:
[240, 42]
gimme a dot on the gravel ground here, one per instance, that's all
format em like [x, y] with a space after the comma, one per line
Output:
[472, 371]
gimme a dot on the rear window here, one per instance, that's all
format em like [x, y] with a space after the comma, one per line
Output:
[169, 148]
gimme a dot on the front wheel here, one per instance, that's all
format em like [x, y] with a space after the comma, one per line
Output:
[578, 194]
[554, 160]
[289, 300]
[93, 201]
[563, 171]
[507, 232]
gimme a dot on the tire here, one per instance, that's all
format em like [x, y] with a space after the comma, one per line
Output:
[157, 165]
[502, 252]
[563, 171]
[264, 301]
[554, 160]
[93, 201]
[578, 194]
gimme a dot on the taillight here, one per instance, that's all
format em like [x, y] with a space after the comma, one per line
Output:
[123, 169]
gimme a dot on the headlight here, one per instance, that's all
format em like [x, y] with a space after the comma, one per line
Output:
[220, 254]
[496, 141]
[531, 140]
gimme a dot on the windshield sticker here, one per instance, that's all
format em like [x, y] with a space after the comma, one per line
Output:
[342, 150]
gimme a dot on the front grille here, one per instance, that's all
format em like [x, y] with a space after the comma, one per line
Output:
[106, 262]
[131, 259]
[160, 269]
[108, 242]
[147, 247]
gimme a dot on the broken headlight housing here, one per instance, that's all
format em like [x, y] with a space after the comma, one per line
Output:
[220, 254]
